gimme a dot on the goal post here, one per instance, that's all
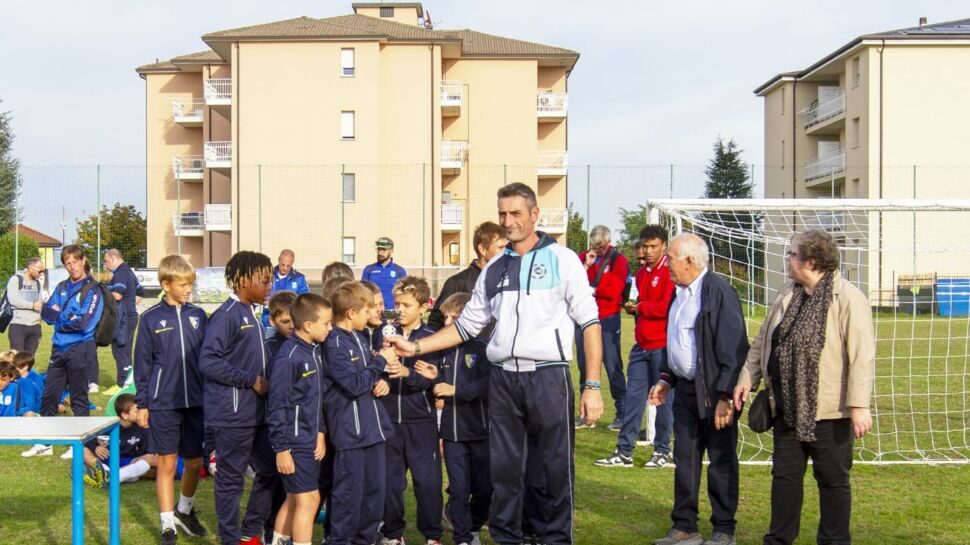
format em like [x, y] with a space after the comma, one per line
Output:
[910, 257]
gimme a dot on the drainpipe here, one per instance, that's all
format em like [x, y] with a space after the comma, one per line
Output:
[879, 247]
[431, 116]
[794, 146]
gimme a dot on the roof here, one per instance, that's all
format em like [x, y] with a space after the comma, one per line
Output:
[416, 5]
[948, 30]
[42, 240]
[479, 43]
[200, 57]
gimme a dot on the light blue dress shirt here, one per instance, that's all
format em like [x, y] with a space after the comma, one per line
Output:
[681, 339]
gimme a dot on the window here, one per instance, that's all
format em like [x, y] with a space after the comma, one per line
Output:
[387, 11]
[347, 62]
[347, 125]
[856, 72]
[855, 132]
[349, 250]
[350, 187]
[453, 253]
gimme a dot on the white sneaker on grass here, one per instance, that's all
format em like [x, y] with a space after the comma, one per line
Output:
[38, 450]
[616, 460]
[93, 388]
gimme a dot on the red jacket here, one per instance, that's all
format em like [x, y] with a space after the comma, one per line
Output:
[609, 292]
[656, 291]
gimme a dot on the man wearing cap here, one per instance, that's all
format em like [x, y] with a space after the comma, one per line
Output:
[385, 272]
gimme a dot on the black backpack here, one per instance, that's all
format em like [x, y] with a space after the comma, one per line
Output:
[6, 309]
[104, 332]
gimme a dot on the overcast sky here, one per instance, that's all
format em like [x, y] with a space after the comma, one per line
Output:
[656, 82]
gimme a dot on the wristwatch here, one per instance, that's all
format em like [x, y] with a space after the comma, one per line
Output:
[417, 348]
[592, 385]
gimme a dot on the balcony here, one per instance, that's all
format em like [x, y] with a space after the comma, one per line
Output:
[826, 168]
[188, 224]
[188, 168]
[553, 220]
[188, 112]
[451, 94]
[452, 217]
[218, 217]
[453, 155]
[832, 221]
[552, 164]
[218, 94]
[551, 106]
[825, 116]
[218, 155]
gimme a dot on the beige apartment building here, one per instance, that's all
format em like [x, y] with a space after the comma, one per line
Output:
[322, 135]
[883, 117]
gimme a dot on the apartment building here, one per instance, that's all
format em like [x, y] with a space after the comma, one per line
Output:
[882, 117]
[322, 135]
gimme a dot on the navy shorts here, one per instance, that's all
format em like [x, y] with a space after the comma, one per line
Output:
[307, 474]
[177, 431]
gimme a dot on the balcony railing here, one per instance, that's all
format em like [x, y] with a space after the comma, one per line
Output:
[218, 91]
[451, 95]
[218, 154]
[831, 221]
[452, 217]
[453, 154]
[188, 224]
[553, 163]
[825, 167]
[188, 167]
[824, 110]
[551, 105]
[553, 220]
[218, 217]
[188, 111]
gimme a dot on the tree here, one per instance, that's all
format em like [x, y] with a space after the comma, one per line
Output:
[727, 175]
[122, 228]
[633, 222]
[576, 231]
[9, 175]
[25, 249]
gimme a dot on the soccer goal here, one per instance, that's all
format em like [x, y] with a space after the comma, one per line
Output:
[912, 259]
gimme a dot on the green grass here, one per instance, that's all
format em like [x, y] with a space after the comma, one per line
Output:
[892, 504]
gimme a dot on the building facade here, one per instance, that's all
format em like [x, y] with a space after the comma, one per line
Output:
[321, 135]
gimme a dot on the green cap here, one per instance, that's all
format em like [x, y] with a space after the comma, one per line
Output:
[384, 243]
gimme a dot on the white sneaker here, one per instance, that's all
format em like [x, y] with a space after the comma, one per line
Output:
[93, 388]
[38, 450]
[475, 539]
[69, 454]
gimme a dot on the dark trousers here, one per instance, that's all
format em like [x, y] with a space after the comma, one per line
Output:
[357, 498]
[414, 448]
[122, 354]
[236, 449]
[612, 361]
[643, 371]
[69, 369]
[831, 455]
[693, 436]
[538, 403]
[24, 338]
[469, 487]
[534, 502]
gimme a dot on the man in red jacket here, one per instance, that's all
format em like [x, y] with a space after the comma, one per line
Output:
[656, 290]
[608, 272]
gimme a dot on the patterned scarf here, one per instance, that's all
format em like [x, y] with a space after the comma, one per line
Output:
[801, 336]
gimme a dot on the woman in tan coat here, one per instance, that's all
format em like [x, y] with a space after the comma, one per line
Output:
[816, 354]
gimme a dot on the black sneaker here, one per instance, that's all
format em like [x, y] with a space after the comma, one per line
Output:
[168, 537]
[657, 461]
[616, 460]
[190, 524]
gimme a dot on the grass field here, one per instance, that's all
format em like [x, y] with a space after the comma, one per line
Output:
[925, 504]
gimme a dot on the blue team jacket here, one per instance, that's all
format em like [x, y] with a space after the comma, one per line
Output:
[465, 416]
[385, 276]
[294, 413]
[30, 396]
[75, 322]
[232, 357]
[168, 342]
[10, 400]
[294, 281]
[411, 399]
[273, 345]
[354, 417]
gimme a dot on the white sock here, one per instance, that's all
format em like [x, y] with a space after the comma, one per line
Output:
[279, 539]
[132, 472]
[307, 543]
[168, 520]
[185, 504]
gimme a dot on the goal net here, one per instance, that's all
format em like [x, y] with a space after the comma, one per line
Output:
[912, 259]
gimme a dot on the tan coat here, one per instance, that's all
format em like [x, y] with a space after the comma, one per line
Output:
[847, 364]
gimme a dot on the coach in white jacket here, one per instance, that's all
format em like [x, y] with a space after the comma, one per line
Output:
[535, 291]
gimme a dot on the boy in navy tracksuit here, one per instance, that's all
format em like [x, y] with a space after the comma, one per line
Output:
[9, 389]
[234, 362]
[464, 428]
[168, 392]
[30, 383]
[357, 423]
[414, 446]
[295, 418]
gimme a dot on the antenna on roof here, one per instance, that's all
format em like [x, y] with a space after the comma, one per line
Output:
[427, 20]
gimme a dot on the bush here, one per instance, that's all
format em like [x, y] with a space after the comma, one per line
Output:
[28, 249]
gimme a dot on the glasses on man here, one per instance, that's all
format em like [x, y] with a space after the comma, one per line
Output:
[790, 253]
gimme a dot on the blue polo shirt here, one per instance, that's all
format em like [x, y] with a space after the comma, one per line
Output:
[385, 276]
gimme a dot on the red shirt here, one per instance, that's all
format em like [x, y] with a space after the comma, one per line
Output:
[656, 291]
[609, 292]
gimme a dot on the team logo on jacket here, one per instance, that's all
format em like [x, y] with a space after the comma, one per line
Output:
[393, 274]
[470, 362]
[293, 285]
[246, 320]
[162, 322]
[539, 271]
[655, 280]
[194, 322]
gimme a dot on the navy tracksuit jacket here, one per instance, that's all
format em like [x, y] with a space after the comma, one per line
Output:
[168, 341]
[295, 411]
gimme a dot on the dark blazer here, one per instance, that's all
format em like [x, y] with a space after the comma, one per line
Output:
[722, 340]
